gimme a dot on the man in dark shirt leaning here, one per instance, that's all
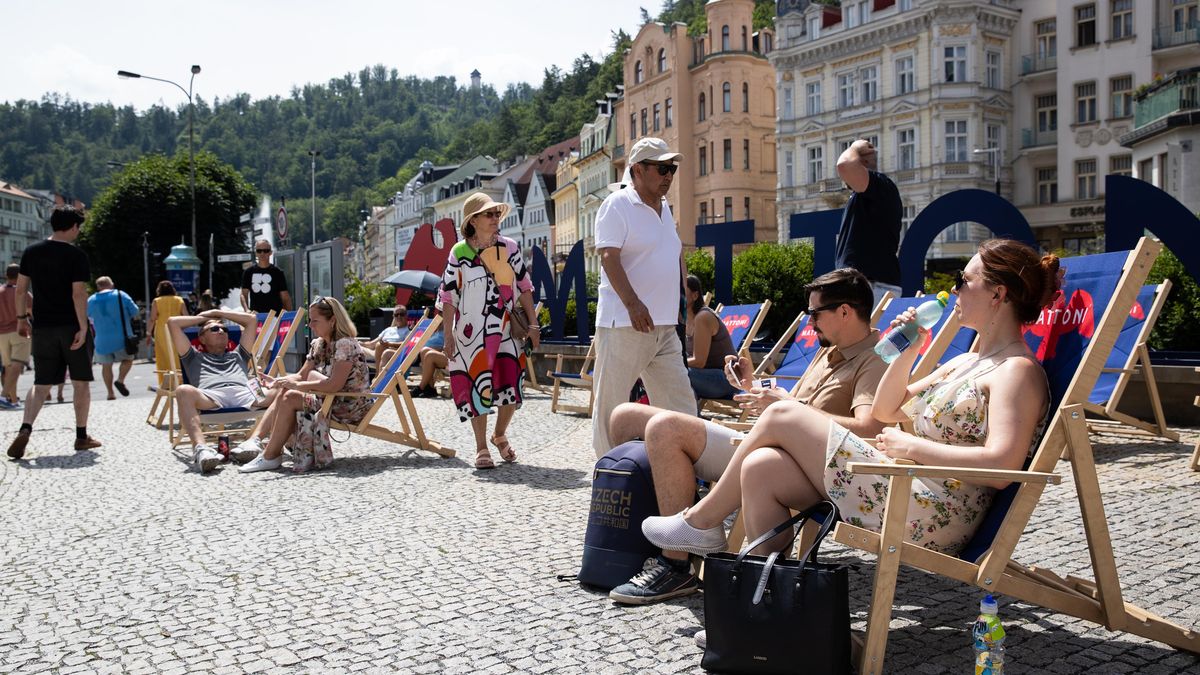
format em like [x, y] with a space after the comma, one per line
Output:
[870, 233]
[56, 271]
[264, 288]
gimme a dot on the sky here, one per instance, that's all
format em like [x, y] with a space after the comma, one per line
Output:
[265, 47]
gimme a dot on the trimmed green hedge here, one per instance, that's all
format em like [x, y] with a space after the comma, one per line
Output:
[1176, 327]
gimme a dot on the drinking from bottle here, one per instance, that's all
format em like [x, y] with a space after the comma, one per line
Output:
[897, 339]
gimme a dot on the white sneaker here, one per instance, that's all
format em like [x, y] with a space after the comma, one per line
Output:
[673, 533]
[205, 458]
[261, 463]
[701, 638]
[247, 450]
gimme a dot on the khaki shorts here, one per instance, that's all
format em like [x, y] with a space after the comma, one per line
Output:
[718, 451]
[13, 347]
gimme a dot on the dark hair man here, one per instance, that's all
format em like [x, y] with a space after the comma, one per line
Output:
[56, 271]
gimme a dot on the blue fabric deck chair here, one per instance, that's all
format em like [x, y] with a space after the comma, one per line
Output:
[743, 323]
[579, 380]
[1129, 356]
[285, 336]
[213, 422]
[1073, 340]
[388, 387]
[941, 334]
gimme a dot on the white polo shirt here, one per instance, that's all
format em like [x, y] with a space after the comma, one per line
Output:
[650, 250]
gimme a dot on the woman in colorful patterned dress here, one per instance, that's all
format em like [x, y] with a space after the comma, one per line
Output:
[485, 282]
[981, 410]
[334, 363]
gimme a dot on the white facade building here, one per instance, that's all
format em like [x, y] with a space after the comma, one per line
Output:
[23, 221]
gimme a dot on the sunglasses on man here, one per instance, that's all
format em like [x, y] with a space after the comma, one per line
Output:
[813, 311]
[217, 329]
[262, 250]
[663, 169]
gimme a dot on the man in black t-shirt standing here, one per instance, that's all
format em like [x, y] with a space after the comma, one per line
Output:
[56, 271]
[264, 288]
[870, 233]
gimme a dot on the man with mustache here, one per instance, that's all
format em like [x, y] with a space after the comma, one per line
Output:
[841, 383]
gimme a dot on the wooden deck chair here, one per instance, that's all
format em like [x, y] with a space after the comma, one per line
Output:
[1130, 355]
[743, 322]
[285, 334]
[213, 422]
[1195, 465]
[268, 327]
[1073, 344]
[580, 380]
[389, 386]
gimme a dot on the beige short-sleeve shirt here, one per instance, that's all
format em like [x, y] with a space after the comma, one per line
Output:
[843, 379]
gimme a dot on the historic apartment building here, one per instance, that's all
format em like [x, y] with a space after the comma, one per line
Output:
[926, 81]
[23, 221]
[597, 147]
[952, 90]
[711, 97]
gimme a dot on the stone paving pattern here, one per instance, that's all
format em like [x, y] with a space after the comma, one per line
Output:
[125, 560]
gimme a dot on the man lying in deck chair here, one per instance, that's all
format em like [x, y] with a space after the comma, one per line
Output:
[682, 448]
[984, 409]
[219, 377]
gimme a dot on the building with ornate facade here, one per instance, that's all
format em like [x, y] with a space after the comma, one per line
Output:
[23, 221]
[597, 145]
[711, 97]
[927, 82]
[566, 206]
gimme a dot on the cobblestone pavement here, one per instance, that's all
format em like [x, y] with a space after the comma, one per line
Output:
[127, 560]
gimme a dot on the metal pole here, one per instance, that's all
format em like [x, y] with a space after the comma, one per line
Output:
[210, 262]
[146, 277]
[313, 154]
[996, 164]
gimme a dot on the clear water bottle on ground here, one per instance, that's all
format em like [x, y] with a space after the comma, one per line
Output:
[989, 639]
[898, 339]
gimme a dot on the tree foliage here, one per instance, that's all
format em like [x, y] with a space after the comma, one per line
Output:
[691, 12]
[362, 297]
[152, 195]
[700, 263]
[1176, 325]
[775, 272]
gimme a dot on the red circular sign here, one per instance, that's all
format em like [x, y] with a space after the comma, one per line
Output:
[281, 223]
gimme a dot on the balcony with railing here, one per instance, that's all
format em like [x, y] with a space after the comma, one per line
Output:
[1177, 93]
[1036, 138]
[1166, 37]
[1037, 63]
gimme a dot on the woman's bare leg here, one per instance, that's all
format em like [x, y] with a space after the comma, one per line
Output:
[779, 485]
[283, 423]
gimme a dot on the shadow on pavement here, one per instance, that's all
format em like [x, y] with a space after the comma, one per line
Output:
[537, 477]
[75, 460]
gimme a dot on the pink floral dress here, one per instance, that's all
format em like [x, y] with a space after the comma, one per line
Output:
[313, 447]
[942, 515]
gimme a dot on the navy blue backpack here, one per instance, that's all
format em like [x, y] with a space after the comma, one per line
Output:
[614, 548]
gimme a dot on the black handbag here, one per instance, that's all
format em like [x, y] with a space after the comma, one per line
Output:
[773, 615]
[131, 341]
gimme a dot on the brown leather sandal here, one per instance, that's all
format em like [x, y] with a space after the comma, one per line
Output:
[503, 447]
[483, 459]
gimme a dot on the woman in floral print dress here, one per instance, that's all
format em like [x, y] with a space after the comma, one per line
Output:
[335, 363]
[484, 283]
[980, 410]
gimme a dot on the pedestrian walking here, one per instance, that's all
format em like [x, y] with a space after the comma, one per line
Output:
[111, 311]
[56, 271]
[14, 347]
[641, 282]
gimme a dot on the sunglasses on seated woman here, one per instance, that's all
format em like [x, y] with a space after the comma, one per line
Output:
[958, 280]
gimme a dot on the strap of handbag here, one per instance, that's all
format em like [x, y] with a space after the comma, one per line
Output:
[829, 509]
[121, 309]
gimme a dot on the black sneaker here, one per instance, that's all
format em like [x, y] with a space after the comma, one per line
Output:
[659, 580]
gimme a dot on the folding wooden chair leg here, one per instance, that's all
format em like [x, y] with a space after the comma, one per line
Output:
[887, 570]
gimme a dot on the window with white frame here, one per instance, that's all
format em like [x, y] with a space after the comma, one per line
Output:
[726, 98]
[1047, 185]
[1121, 94]
[960, 231]
[703, 212]
[812, 98]
[724, 38]
[657, 117]
[662, 60]
[637, 72]
[845, 90]
[956, 140]
[670, 114]
[1120, 165]
[1122, 20]
[816, 163]
[1085, 102]
[1046, 33]
[992, 74]
[869, 79]
[850, 14]
[907, 215]
[905, 5]
[1046, 107]
[906, 146]
[787, 112]
[1085, 179]
[645, 120]
[1184, 14]
[703, 160]
[992, 134]
[905, 78]
[954, 60]
[1085, 25]
[727, 154]
[814, 28]
[729, 209]
[789, 175]
[701, 108]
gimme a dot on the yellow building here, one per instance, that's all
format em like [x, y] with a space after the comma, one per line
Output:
[566, 206]
[711, 97]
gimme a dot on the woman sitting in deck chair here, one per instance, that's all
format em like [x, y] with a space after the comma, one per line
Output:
[983, 409]
[334, 363]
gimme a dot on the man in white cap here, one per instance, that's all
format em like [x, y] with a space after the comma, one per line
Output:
[641, 277]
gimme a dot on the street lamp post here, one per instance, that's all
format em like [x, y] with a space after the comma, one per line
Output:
[995, 153]
[314, 154]
[125, 74]
[146, 278]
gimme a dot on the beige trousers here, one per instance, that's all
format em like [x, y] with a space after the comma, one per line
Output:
[622, 356]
